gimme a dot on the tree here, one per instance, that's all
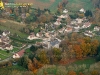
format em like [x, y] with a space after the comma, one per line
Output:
[56, 54]
[88, 13]
[97, 16]
[78, 51]
[43, 57]
[33, 48]
[72, 73]
[86, 48]
[94, 72]
[64, 44]
[42, 19]
[24, 62]
[94, 47]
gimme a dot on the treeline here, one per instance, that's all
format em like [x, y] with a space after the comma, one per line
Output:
[74, 47]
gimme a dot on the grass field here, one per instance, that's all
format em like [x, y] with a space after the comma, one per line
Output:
[13, 27]
[78, 4]
[78, 66]
[4, 54]
[52, 4]
[88, 62]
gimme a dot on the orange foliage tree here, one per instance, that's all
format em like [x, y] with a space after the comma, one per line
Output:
[78, 51]
[72, 73]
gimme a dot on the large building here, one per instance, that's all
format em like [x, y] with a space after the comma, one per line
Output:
[1, 5]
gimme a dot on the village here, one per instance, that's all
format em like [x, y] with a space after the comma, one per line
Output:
[50, 34]
[49, 37]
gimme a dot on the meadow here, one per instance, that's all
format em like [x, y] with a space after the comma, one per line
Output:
[75, 5]
[13, 27]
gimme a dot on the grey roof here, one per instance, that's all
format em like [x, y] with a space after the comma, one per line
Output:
[54, 42]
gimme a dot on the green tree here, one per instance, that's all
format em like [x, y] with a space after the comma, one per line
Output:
[56, 54]
[33, 48]
[43, 57]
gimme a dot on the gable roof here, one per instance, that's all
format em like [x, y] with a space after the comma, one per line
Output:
[21, 53]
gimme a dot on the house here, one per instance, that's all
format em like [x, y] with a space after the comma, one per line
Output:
[52, 43]
[8, 47]
[68, 30]
[66, 15]
[79, 21]
[57, 23]
[65, 11]
[96, 28]
[4, 41]
[59, 19]
[55, 43]
[47, 35]
[82, 10]
[86, 25]
[2, 45]
[19, 54]
[6, 33]
[16, 56]
[73, 22]
[23, 15]
[39, 35]
[61, 30]
[88, 33]
[31, 36]
[61, 16]
[77, 27]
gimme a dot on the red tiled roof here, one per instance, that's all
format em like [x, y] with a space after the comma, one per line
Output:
[21, 53]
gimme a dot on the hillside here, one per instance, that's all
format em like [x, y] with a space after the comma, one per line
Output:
[78, 4]
[52, 4]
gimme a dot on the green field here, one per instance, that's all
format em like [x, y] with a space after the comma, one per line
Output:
[53, 7]
[13, 27]
[75, 5]
[46, 1]
[4, 54]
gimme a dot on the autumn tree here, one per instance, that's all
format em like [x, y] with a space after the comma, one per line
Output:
[43, 57]
[72, 73]
[86, 48]
[78, 51]
[34, 65]
[94, 46]
[94, 72]
[56, 54]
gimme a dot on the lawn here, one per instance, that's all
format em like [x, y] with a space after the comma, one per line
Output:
[21, 40]
[97, 37]
[76, 5]
[4, 54]
[88, 61]
[16, 67]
